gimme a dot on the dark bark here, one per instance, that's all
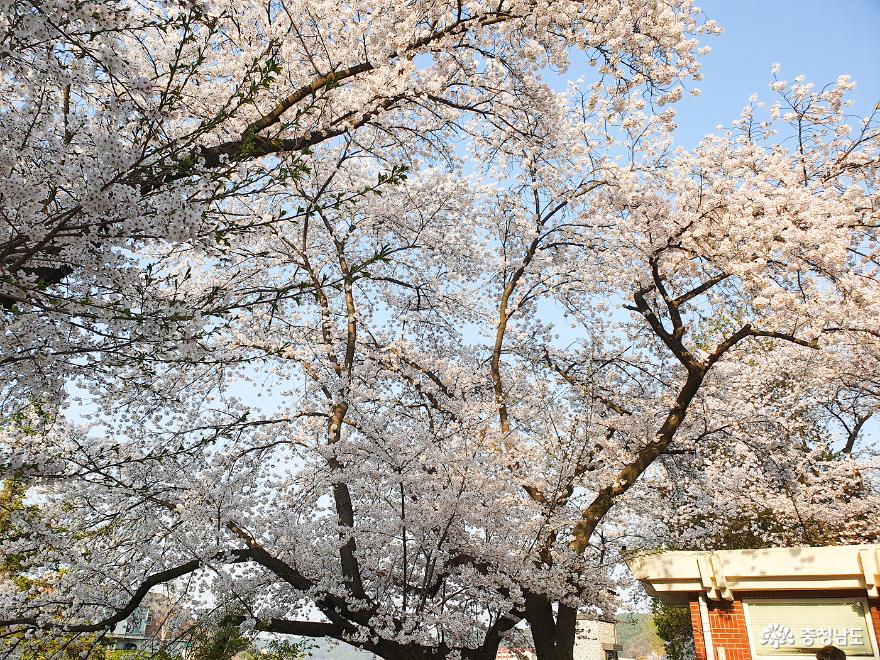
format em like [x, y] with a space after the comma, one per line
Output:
[553, 636]
[232, 557]
[48, 275]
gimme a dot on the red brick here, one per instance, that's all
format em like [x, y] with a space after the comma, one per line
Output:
[728, 624]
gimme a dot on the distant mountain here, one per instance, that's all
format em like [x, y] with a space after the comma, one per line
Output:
[638, 635]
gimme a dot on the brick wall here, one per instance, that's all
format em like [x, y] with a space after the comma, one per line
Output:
[727, 622]
[697, 625]
[729, 632]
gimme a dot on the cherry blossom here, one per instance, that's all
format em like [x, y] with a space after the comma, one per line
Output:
[402, 347]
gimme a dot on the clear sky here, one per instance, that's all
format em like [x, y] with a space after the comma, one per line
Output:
[818, 38]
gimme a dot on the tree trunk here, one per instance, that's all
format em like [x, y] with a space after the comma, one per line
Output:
[482, 653]
[553, 636]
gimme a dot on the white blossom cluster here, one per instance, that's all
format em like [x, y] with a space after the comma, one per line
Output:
[383, 340]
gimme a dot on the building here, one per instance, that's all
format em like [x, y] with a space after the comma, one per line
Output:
[156, 624]
[596, 639]
[775, 603]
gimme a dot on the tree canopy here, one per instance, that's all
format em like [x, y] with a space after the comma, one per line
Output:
[379, 333]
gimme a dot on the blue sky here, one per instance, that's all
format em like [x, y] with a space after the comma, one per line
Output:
[818, 38]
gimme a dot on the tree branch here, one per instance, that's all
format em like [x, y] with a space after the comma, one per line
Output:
[239, 555]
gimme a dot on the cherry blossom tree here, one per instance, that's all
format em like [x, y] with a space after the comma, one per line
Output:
[358, 389]
[436, 457]
[129, 127]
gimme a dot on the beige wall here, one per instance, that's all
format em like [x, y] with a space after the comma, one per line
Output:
[592, 637]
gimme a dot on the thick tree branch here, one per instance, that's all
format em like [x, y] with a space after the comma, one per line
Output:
[162, 577]
[303, 628]
[629, 474]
